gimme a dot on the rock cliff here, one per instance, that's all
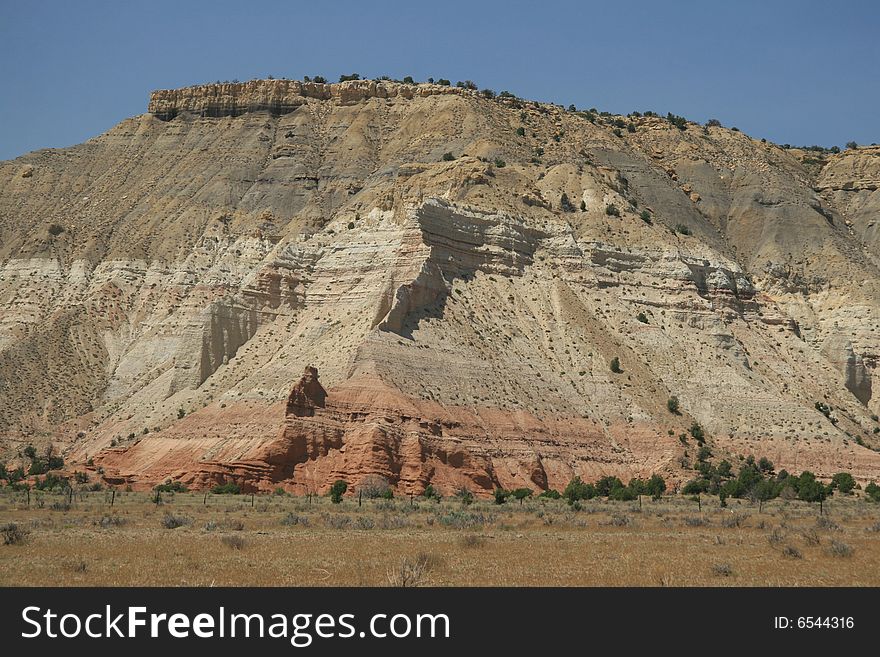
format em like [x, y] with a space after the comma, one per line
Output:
[458, 270]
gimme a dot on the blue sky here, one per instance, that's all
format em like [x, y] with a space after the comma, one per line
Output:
[798, 72]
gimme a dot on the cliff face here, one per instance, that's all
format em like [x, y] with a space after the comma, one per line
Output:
[278, 96]
[461, 313]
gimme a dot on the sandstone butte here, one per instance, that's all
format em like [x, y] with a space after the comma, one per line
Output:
[279, 284]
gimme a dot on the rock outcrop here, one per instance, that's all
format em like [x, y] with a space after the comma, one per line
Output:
[277, 96]
[461, 288]
[307, 395]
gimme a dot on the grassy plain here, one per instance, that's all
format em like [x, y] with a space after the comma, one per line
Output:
[284, 541]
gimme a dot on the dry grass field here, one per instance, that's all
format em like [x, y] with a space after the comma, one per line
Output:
[286, 541]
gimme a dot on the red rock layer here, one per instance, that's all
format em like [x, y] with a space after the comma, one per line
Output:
[365, 427]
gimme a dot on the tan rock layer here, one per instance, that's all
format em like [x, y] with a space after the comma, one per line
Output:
[278, 96]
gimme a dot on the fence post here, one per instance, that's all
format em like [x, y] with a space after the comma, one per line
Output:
[113, 497]
[205, 501]
[700, 502]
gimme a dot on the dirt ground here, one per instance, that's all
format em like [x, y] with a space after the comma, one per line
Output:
[285, 541]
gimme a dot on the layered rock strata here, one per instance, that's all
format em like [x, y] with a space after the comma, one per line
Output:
[460, 270]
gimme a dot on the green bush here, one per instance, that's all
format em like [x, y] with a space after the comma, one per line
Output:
[431, 494]
[606, 484]
[809, 489]
[681, 228]
[521, 494]
[645, 216]
[178, 487]
[347, 78]
[765, 465]
[38, 467]
[695, 486]
[765, 490]
[697, 432]
[52, 482]
[448, 157]
[550, 494]
[500, 163]
[749, 476]
[521, 132]
[337, 490]
[678, 121]
[622, 494]
[638, 486]
[501, 495]
[672, 405]
[642, 317]
[583, 206]
[589, 116]
[578, 490]
[444, 82]
[611, 210]
[656, 486]
[464, 496]
[873, 491]
[229, 488]
[615, 365]
[844, 482]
